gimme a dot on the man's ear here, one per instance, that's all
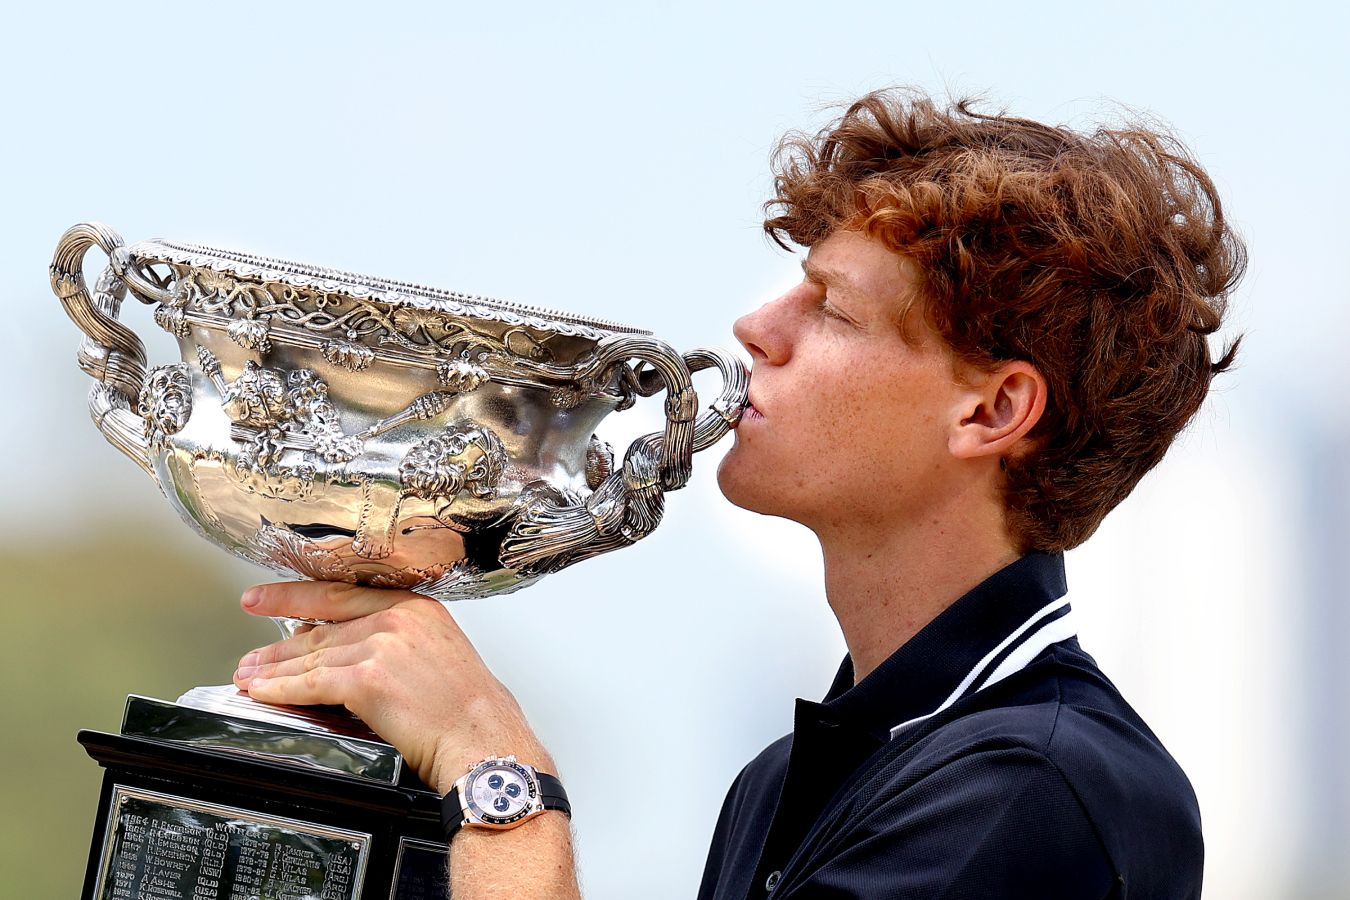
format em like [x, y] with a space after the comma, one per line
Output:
[997, 411]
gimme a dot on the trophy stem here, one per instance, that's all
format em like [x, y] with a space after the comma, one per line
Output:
[289, 626]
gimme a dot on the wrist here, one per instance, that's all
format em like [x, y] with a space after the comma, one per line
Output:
[452, 764]
[534, 860]
[501, 793]
[490, 724]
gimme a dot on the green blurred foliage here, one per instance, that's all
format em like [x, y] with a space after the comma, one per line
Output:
[107, 612]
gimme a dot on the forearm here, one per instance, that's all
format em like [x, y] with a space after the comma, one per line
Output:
[532, 862]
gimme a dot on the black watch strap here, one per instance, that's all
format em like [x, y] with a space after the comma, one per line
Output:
[551, 793]
[452, 813]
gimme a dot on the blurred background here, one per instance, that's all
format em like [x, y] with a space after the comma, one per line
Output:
[613, 162]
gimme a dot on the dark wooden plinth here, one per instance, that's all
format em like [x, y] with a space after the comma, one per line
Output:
[387, 813]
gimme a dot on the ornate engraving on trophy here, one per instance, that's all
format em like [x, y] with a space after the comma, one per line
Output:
[336, 426]
[251, 334]
[165, 403]
[599, 462]
[461, 376]
[173, 320]
[253, 310]
[350, 356]
[160, 847]
[283, 547]
[421, 873]
[460, 458]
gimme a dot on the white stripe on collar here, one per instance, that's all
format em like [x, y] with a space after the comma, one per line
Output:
[1032, 642]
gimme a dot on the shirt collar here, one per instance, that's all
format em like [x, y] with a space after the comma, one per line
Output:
[986, 635]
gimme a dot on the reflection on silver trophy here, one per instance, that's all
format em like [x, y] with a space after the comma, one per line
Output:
[337, 427]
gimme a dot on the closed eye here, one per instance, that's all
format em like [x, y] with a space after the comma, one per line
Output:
[828, 310]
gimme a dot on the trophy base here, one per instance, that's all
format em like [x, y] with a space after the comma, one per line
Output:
[228, 700]
[196, 804]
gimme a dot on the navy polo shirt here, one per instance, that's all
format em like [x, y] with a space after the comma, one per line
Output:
[987, 758]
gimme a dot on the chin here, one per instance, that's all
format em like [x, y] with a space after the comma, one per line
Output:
[749, 486]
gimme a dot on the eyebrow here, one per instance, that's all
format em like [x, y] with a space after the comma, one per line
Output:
[830, 277]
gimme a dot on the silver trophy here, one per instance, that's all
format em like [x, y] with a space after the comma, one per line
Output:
[336, 427]
[332, 426]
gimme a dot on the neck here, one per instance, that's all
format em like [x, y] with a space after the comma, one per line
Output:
[886, 581]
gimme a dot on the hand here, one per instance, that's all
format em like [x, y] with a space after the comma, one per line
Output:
[397, 660]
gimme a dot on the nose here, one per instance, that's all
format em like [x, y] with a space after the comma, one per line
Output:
[762, 333]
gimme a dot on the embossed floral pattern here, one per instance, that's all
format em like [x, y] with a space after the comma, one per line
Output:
[251, 334]
[461, 376]
[286, 550]
[349, 356]
[173, 320]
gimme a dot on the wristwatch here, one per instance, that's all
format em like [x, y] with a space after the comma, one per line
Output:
[500, 793]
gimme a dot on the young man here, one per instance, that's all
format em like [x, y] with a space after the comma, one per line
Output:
[1001, 327]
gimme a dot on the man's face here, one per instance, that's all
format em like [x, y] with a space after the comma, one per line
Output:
[849, 423]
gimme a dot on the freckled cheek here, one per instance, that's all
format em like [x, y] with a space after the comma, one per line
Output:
[843, 420]
[881, 419]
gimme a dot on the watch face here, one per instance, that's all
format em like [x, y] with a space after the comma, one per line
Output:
[500, 792]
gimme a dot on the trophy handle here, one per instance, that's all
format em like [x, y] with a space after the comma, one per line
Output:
[725, 411]
[668, 455]
[111, 353]
[551, 533]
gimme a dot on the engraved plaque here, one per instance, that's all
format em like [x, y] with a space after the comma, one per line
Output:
[422, 872]
[161, 847]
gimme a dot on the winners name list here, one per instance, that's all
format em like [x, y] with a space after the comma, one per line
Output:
[167, 848]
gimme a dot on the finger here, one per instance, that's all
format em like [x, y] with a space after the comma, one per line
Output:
[311, 639]
[333, 601]
[333, 656]
[322, 686]
[408, 617]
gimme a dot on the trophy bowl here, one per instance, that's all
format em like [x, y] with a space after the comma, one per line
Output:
[337, 427]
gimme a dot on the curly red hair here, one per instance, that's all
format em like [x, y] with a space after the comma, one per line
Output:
[1103, 259]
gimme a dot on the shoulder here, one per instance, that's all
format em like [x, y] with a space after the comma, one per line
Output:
[759, 781]
[747, 812]
[1064, 709]
[1064, 745]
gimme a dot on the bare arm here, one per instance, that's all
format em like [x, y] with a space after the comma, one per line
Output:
[401, 663]
[532, 861]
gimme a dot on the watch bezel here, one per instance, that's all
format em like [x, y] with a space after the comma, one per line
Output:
[476, 815]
